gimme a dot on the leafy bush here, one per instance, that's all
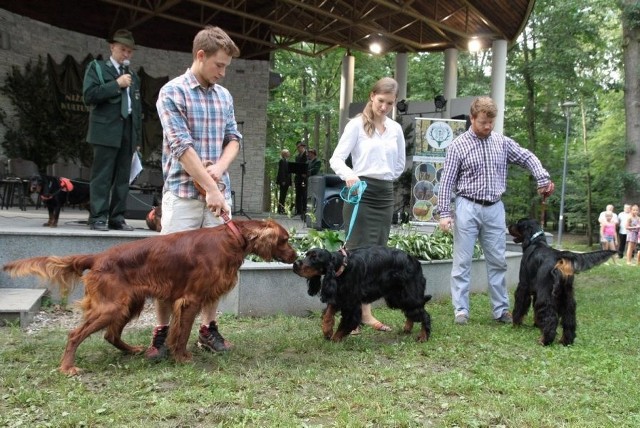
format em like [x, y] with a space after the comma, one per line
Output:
[435, 246]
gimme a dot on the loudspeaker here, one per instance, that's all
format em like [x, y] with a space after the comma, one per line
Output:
[138, 205]
[324, 202]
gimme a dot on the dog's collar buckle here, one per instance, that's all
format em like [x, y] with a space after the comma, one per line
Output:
[343, 266]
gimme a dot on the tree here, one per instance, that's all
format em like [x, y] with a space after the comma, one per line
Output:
[631, 49]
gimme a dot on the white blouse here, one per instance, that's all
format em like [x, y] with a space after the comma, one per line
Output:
[381, 156]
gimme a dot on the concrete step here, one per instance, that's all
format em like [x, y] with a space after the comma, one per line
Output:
[19, 305]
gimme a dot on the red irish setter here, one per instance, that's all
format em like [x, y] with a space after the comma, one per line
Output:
[188, 269]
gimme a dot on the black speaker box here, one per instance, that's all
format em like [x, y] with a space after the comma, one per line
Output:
[324, 202]
[138, 205]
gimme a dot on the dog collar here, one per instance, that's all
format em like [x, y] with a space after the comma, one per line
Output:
[343, 266]
[535, 235]
[231, 225]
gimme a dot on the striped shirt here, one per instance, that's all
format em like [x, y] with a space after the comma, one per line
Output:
[476, 168]
[198, 117]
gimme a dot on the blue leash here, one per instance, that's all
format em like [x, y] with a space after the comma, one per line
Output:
[352, 195]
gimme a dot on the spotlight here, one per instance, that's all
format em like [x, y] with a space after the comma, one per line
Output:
[474, 45]
[440, 102]
[375, 48]
[376, 45]
[402, 106]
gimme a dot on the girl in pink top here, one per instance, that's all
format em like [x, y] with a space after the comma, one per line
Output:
[609, 235]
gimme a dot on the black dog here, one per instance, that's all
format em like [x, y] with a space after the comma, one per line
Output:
[546, 281]
[58, 191]
[364, 275]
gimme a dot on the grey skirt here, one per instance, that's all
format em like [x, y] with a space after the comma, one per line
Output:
[373, 219]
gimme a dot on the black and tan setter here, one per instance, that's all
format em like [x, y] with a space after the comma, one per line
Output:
[55, 192]
[188, 269]
[346, 279]
[546, 282]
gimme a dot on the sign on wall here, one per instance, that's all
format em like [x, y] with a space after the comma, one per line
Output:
[433, 136]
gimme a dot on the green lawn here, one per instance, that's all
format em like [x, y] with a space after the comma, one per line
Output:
[282, 373]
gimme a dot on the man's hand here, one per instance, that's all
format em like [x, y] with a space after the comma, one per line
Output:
[216, 203]
[446, 224]
[124, 81]
[547, 190]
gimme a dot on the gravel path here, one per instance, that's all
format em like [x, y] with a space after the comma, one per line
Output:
[71, 316]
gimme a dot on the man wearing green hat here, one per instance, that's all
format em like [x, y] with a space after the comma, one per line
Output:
[112, 91]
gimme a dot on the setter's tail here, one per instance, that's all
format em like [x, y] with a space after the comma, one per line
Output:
[580, 262]
[63, 271]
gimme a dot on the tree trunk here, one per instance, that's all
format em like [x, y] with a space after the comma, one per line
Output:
[631, 55]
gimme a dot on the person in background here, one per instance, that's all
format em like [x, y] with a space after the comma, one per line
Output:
[609, 235]
[609, 208]
[300, 180]
[200, 141]
[633, 226]
[376, 145]
[475, 168]
[622, 230]
[112, 91]
[314, 163]
[284, 180]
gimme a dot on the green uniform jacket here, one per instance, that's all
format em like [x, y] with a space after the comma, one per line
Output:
[103, 98]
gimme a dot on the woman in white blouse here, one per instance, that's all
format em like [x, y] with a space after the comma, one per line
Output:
[376, 145]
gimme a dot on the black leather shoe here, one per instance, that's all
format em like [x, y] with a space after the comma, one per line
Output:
[120, 225]
[99, 225]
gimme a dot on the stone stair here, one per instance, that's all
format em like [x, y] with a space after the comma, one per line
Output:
[19, 305]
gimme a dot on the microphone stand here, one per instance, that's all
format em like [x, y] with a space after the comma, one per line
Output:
[242, 173]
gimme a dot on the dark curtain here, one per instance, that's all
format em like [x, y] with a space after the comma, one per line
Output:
[151, 127]
[65, 80]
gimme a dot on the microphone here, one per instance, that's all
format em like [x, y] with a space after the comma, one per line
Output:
[125, 66]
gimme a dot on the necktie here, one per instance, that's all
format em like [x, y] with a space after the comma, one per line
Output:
[124, 102]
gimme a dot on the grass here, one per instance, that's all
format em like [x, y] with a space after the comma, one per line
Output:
[282, 373]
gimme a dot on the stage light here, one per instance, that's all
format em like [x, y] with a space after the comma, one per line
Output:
[474, 44]
[375, 43]
[440, 102]
[375, 48]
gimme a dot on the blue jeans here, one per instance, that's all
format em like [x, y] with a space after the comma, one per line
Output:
[487, 224]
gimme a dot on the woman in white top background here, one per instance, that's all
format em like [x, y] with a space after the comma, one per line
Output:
[376, 145]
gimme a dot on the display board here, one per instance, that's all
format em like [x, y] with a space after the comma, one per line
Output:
[433, 136]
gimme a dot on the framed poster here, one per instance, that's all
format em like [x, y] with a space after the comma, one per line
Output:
[433, 136]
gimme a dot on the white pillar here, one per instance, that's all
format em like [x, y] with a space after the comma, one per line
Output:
[450, 76]
[401, 74]
[346, 89]
[498, 80]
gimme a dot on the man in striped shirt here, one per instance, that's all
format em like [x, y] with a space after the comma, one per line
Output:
[475, 169]
[200, 140]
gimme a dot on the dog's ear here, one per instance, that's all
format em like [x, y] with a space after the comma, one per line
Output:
[313, 285]
[329, 286]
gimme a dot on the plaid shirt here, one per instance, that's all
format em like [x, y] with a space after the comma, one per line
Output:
[198, 117]
[477, 168]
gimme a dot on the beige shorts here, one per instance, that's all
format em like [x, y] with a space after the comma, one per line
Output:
[180, 214]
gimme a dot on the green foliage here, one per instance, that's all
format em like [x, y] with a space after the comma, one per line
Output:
[36, 131]
[331, 240]
[435, 246]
